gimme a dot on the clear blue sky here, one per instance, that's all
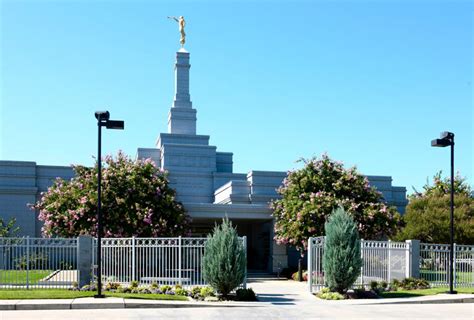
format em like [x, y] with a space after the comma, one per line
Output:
[369, 82]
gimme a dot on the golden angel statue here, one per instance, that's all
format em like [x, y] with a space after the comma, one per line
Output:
[181, 23]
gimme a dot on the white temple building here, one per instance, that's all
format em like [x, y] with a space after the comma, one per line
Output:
[202, 176]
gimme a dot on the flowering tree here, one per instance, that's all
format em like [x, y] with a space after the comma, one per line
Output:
[310, 194]
[136, 201]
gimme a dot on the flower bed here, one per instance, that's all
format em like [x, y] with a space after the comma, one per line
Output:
[195, 293]
[376, 289]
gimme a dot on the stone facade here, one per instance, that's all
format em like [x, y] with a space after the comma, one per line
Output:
[202, 176]
[21, 183]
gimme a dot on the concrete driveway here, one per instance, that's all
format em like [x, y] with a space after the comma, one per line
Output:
[281, 292]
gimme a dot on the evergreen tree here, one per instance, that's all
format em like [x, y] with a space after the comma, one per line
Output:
[341, 259]
[224, 260]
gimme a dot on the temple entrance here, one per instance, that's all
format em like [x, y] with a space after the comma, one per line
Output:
[259, 241]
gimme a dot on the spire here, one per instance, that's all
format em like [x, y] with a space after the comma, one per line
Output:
[182, 116]
[182, 99]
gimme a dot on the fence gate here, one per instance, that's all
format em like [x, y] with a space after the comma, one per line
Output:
[381, 261]
[315, 264]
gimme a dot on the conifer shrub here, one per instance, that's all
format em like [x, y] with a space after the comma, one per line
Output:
[224, 259]
[341, 259]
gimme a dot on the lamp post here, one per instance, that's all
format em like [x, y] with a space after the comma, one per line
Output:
[102, 121]
[447, 139]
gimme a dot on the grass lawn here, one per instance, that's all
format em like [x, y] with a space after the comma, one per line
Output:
[423, 292]
[463, 277]
[69, 294]
[19, 276]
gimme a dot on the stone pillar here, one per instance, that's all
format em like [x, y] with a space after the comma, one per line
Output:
[84, 260]
[182, 116]
[413, 258]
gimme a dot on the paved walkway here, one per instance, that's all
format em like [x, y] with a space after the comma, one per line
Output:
[281, 292]
[59, 277]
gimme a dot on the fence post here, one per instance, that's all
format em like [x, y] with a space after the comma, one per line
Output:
[412, 258]
[244, 242]
[27, 262]
[454, 265]
[179, 260]
[133, 258]
[362, 266]
[84, 260]
[310, 264]
[389, 271]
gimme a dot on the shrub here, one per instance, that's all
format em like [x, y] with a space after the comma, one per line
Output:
[156, 291]
[165, 288]
[134, 284]
[245, 295]
[144, 290]
[394, 285]
[224, 260]
[207, 292]
[294, 276]
[341, 259]
[112, 286]
[154, 285]
[8, 229]
[181, 292]
[124, 290]
[327, 294]
[414, 284]
[373, 285]
[195, 292]
[87, 287]
[361, 293]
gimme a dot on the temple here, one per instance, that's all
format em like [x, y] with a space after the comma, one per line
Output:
[209, 189]
[202, 176]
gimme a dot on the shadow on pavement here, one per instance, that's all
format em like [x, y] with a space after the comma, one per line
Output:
[278, 299]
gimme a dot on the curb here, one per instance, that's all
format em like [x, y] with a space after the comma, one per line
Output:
[82, 304]
[466, 298]
[434, 301]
